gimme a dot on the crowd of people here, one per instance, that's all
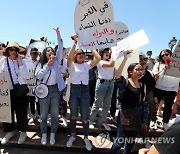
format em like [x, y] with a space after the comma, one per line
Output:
[94, 84]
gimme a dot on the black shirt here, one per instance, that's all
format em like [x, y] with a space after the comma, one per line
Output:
[173, 136]
[148, 80]
[131, 96]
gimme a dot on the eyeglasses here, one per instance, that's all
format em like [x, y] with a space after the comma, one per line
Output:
[165, 55]
[81, 53]
[139, 69]
[14, 49]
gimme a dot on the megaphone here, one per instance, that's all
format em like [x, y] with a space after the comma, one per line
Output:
[41, 91]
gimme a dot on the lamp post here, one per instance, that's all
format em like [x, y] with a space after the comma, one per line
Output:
[172, 43]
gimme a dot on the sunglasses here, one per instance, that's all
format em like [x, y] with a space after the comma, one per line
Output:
[81, 53]
[165, 55]
[144, 59]
[14, 49]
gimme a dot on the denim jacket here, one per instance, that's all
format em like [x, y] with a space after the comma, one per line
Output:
[41, 72]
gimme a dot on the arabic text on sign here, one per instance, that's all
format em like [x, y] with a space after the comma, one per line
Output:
[4, 93]
[104, 32]
[3, 80]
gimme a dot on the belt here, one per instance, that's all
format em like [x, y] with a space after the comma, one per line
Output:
[79, 84]
[51, 85]
[104, 80]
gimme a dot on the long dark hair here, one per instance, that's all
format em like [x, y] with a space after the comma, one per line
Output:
[43, 59]
[167, 51]
[130, 69]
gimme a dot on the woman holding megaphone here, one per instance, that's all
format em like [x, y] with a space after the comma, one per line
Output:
[48, 72]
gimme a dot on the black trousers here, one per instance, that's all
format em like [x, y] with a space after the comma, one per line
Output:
[92, 87]
[18, 106]
[31, 101]
[113, 101]
[168, 97]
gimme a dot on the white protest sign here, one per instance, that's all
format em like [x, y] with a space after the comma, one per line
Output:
[121, 31]
[133, 42]
[40, 45]
[5, 104]
[174, 66]
[31, 81]
[94, 23]
[133, 59]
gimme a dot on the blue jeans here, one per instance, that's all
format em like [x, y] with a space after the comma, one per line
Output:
[50, 102]
[103, 94]
[121, 133]
[79, 97]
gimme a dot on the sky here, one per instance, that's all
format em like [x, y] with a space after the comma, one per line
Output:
[22, 20]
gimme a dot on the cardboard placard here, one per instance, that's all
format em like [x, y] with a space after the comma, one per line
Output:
[94, 23]
[5, 104]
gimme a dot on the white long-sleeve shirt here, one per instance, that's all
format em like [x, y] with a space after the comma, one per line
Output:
[19, 73]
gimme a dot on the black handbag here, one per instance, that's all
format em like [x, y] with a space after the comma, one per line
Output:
[18, 90]
[131, 119]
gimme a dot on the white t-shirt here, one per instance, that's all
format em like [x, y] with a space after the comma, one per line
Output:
[52, 78]
[164, 82]
[106, 73]
[63, 67]
[79, 73]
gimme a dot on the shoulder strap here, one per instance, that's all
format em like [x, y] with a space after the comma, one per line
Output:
[141, 92]
[10, 72]
[35, 71]
[48, 76]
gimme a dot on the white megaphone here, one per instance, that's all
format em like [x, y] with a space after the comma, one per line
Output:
[41, 90]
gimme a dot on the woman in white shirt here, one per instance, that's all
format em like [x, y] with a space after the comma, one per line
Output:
[19, 73]
[48, 72]
[166, 86]
[79, 92]
[104, 88]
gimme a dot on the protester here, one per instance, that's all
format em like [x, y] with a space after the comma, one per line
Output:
[162, 147]
[65, 74]
[32, 99]
[150, 60]
[48, 72]
[166, 86]
[104, 89]
[18, 73]
[176, 101]
[79, 92]
[2, 46]
[92, 84]
[150, 82]
[133, 96]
